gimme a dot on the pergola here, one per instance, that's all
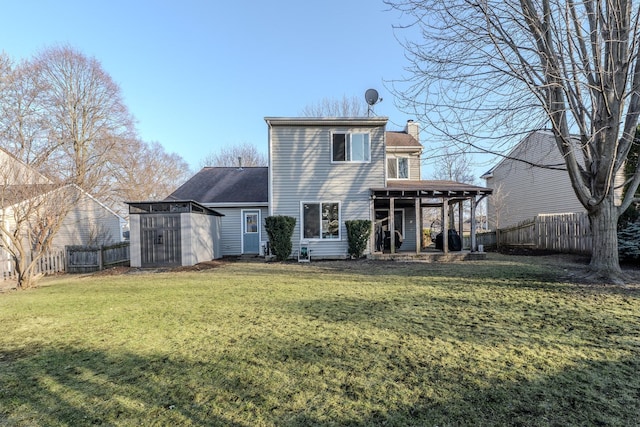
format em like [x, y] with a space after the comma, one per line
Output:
[445, 195]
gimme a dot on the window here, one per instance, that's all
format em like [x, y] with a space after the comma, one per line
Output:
[398, 168]
[321, 220]
[250, 223]
[351, 147]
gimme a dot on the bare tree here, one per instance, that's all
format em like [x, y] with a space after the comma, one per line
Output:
[242, 155]
[345, 107]
[499, 207]
[87, 119]
[451, 165]
[484, 70]
[32, 210]
[146, 171]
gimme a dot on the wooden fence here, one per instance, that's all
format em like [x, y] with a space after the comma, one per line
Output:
[86, 259]
[50, 263]
[569, 233]
[74, 259]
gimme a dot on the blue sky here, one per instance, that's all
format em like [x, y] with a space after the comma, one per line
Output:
[200, 75]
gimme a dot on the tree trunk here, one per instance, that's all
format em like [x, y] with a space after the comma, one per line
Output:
[604, 255]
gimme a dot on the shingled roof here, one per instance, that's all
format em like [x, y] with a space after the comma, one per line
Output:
[401, 139]
[226, 185]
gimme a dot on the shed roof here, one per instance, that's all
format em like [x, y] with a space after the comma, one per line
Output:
[226, 185]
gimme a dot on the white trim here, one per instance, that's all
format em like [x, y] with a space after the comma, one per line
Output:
[348, 144]
[236, 205]
[243, 212]
[320, 203]
[398, 169]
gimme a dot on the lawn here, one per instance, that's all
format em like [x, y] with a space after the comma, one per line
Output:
[506, 341]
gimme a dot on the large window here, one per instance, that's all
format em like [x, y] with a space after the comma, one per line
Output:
[350, 147]
[398, 168]
[321, 220]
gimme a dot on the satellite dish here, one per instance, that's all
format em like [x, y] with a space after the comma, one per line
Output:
[371, 96]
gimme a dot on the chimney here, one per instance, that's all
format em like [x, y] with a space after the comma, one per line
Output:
[413, 129]
[239, 162]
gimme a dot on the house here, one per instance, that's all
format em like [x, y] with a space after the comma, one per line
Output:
[523, 190]
[241, 195]
[325, 171]
[322, 172]
[31, 202]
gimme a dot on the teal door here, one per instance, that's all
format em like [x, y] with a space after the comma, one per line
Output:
[251, 232]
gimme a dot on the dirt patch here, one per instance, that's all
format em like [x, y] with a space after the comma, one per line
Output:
[207, 265]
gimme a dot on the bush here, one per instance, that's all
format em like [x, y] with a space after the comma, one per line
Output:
[358, 232]
[280, 229]
[629, 241]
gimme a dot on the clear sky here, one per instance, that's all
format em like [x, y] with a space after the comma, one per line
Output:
[202, 74]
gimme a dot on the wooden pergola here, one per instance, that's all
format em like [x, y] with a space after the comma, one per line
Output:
[445, 195]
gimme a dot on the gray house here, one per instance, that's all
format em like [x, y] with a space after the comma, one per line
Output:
[522, 190]
[323, 172]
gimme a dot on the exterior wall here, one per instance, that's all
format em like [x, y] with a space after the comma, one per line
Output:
[301, 170]
[231, 228]
[14, 172]
[197, 235]
[414, 165]
[522, 191]
[89, 223]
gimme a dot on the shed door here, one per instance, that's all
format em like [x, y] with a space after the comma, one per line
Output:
[160, 240]
[251, 232]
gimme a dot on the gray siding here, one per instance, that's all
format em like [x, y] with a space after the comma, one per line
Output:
[89, 223]
[231, 228]
[522, 191]
[301, 155]
[198, 238]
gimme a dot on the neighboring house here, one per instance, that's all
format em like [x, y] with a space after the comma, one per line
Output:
[522, 190]
[87, 222]
[241, 194]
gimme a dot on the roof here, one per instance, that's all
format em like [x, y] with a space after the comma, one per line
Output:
[430, 188]
[13, 194]
[170, 206]
[326, 121]
[226, 185]
[401, 139]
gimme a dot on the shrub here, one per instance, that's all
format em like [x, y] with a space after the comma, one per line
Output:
[358, 232]
[280, 229]
[629, 241]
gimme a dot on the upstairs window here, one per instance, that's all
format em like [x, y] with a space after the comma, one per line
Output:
[350, 147]
[398, 168]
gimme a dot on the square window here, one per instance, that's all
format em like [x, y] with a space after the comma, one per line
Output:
[398, 168]
[351, 147]
[321, 220]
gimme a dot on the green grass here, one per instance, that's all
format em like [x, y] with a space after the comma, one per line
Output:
[497, 342]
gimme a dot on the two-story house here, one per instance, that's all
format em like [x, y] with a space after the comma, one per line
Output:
[323, 172]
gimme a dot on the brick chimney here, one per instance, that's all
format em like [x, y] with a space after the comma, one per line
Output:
[413, 129]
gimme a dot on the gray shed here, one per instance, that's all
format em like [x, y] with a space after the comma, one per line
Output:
[173, 233]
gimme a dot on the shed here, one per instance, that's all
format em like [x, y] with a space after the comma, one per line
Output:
[173, 233]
